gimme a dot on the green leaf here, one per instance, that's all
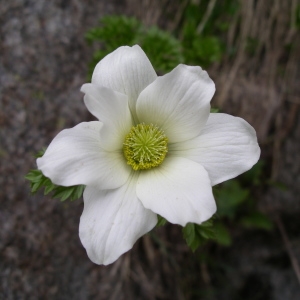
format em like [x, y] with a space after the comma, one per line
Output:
[196, 235]
[114, 31]
[162, 49]
[34, 175]
[214, 110]
[208, 223]
[206, 232]
[78, 191]
[257, 220]
[223, 236]
[38, 181]
[255, 175]
[229, 196]
[201, 50]
[192, 240]
[40, 153]
[160, 221]
[36, 186]
[49, 187]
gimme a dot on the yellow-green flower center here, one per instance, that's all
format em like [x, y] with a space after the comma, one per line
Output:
[145, 147]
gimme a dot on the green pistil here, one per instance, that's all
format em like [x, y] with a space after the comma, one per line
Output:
[145, 147]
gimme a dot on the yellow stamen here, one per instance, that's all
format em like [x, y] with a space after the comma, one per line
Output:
[145, 147]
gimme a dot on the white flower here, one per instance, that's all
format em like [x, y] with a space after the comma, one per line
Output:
[156, 149]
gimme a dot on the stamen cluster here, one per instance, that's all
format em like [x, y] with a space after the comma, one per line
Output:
[145, 147]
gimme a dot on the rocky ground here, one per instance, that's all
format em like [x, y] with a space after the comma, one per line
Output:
[43, 63]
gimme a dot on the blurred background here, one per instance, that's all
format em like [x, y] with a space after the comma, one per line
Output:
[251, 49]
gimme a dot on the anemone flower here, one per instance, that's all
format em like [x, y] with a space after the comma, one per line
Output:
[156, 149]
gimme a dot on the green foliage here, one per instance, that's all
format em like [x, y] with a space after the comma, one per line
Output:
[196, 235]
[257, 220]
[115, 31]
[208, 46]
[229, 197]
[236, 203]
[220, 17]
[202, 50]
[160, 221]
[223, 236]
[254, 175]
[163, 50]
[40, 153]
[38, 180]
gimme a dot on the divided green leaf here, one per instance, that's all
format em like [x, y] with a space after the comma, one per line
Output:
[160, 221]
[161, 47]
[196, 235]
[38, 181]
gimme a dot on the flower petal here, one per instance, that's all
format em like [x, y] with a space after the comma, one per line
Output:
[112, 221]
[126, 70]
[179, 190]
[75, 156]
[178, 102]
[226, 147]
[112, 109]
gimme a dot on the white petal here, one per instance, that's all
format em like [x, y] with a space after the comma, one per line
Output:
[178, 102]
[226, 147]
[179, 190]
[126, 70]
[75, 156]
[112, 109]
[112, 221]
